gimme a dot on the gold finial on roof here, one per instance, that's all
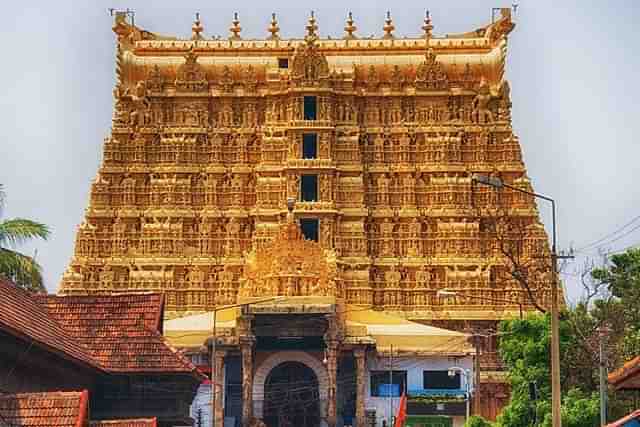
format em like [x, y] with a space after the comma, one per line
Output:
[197, 28]
[350, 28]
[427, 27]
[312, 29]
[388, 27]
[273, 28]
[236, 28]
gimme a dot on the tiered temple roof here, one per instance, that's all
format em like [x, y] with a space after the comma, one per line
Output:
[208, 144]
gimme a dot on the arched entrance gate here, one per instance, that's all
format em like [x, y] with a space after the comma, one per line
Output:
[290, 390]
[291, 396]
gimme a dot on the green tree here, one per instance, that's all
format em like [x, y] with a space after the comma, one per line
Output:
[476, 421]
[611, 299]
[622, 279]
[21, 269]
[618, 310]
[525, 350]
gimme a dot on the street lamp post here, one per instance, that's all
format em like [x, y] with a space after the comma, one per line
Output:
[214, 373]
[497, 183]
[465, 373]
[603, 331]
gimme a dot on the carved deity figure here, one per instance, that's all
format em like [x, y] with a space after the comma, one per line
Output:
[241, 149]
[205, 228]
[251, 118]
[324, 147]
[141, 104]
[226, 116]
[323, 109]
[404, 143]
[295, 109]
[294, 186]
[294, 148]
[120, 235]
[326, 189]
[397, 78]
[210, 190]
[482, 147]
[409, 187]
[481, 111]
[195, 276]
[504, 106]
[237, 188]
[414, 237]
[129, 190]
[378, 149]
[383, 189]
[269, 112]
[106, 278]
[386, 231]
[340, 112]
[423, 276]
[392, 280]
[326, 236]
[233, 237]
[225, 288]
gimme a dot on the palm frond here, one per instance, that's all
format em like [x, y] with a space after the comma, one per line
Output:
[22, 270]
[16, 231]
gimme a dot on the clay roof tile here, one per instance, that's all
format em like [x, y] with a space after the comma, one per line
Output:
[59, 409]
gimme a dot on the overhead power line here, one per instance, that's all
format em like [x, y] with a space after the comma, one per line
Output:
[603, 240]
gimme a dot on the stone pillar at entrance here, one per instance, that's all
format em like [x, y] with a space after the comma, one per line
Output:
[332, 373]
[332, 339]
[246, 341]
[359, 354]
[246, 347]
[219, 387]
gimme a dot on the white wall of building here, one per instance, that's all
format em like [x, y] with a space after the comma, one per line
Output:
[202, 403]
[414, 367]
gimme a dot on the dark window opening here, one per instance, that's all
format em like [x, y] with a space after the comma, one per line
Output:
[309, 107]
[310, 227]
[309, 146]
[309, 188]
[380, 386]
[441, 380]
[283, 62]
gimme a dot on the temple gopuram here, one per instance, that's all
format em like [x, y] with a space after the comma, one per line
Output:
[335, 176]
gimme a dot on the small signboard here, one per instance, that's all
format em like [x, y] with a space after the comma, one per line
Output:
[389, 390]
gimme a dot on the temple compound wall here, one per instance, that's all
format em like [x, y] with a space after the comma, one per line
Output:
[339, 170]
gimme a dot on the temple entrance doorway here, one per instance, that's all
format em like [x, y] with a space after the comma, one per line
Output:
[291, 396]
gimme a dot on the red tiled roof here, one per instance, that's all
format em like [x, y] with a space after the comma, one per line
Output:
[632, 367]
[56, 409]
[20, 314]
[140, 422]
[121, 331]
[59, 409]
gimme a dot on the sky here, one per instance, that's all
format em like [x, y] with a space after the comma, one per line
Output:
[572, 66]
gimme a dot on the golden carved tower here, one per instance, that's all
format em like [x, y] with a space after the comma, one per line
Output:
[375, 139]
